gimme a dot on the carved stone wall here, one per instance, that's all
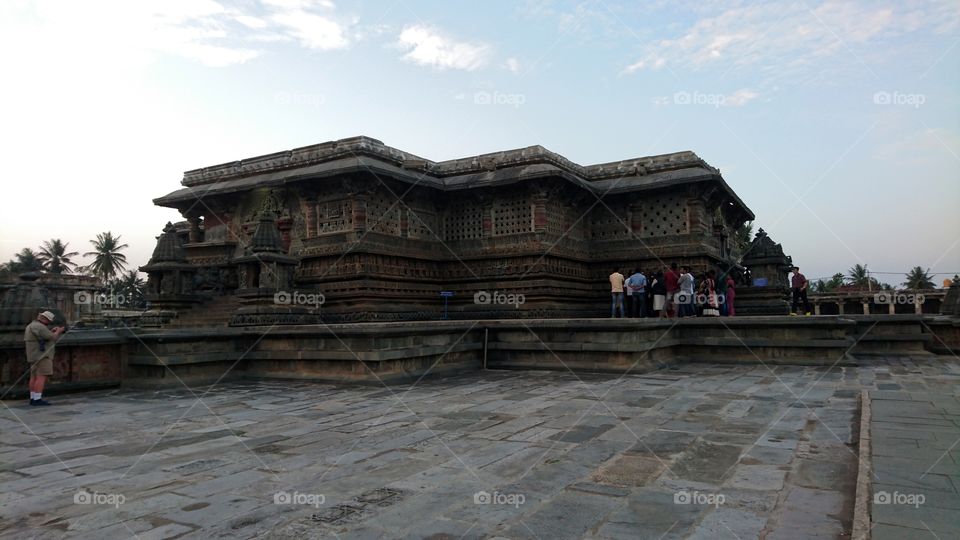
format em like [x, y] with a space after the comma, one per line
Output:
[525, 221]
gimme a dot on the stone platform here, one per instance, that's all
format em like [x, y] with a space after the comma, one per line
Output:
[395, 352]
[698, 451]
[376, 353]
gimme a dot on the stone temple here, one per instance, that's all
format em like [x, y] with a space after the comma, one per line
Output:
[380, 233]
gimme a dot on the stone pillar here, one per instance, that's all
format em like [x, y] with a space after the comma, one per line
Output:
[840, 307]
[892, 308]
[195, 235]
[866, 308]
[816, 308]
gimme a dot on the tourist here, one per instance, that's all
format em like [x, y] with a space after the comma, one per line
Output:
[711, 306]
[636, 294]
[670, 281]
[730, 296]
[685, 297]
[40, 342]
[659, 291]
[616, 293]
[798, 286]
[721, 293]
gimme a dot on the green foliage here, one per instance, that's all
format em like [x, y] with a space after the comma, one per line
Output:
[54, 257]
[108, 261]
[918, 278]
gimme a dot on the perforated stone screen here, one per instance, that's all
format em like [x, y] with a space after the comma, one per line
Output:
[463, 221]
[665, 216]
[383, 215]
[422, 224]
[512, 217]
[609, 223]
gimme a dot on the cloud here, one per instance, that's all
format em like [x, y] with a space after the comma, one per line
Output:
[427, 47]
[512, 65]
[312, 31]
[741, 97]
[788, 39]
[203, 31]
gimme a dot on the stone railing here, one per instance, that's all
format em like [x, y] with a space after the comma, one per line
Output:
[875, 302]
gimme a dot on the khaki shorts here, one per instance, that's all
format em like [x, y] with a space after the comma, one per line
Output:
[44, 366]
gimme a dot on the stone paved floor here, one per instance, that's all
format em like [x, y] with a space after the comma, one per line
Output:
[699, 452]
[916, 460]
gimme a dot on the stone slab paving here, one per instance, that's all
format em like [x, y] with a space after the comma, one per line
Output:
[915, 429]
[701, 451]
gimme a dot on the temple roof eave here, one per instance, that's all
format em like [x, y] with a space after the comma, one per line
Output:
[188, 196]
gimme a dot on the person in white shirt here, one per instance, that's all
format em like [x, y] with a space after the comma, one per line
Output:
[686, 301]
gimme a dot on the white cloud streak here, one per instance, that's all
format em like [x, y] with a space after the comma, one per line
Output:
[426, 46]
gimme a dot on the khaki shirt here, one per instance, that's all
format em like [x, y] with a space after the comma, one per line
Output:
[616, 282]
[32, 334]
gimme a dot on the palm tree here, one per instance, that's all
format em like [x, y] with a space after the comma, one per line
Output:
[835, 281]
[108, 260]
[742, 237]
[917, 278]
[54, 257]
[859, 276]
[129, 286]
[26, 260]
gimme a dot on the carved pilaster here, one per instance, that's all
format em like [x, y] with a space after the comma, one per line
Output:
[359, 208]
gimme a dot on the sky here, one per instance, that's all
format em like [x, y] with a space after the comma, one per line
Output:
[837, 122]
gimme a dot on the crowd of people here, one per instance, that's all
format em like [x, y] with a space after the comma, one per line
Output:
[672, 292]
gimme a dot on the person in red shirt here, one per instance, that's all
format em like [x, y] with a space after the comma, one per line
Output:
[798, 285]
[671, 279]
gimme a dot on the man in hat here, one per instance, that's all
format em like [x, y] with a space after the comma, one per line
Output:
[40, 342]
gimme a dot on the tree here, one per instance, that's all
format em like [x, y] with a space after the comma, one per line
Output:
[26, 260]
[859, 276]
[108, 261]
[742, 237]
[129, 286]
[918, 278]
[835, 281]
[54, 258]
